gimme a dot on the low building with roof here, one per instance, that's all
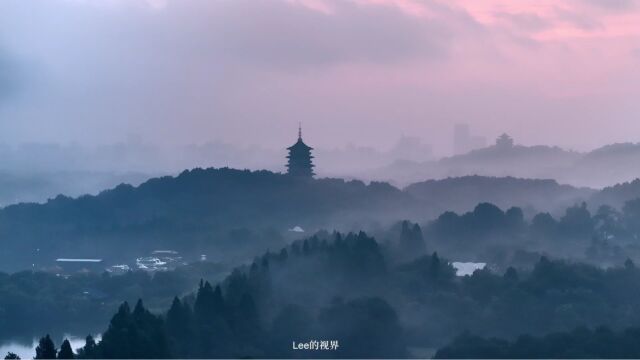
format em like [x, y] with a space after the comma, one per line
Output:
[71, 265]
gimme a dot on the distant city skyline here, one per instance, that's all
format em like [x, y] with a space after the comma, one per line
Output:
[403, 147]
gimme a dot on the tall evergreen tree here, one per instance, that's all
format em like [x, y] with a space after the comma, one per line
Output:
[65, 350]
[152, 340]
[116, 340]
[214, 334]
[411, 240]
[179, 324]
[134, 335]
[246, 328]
[89, 350]
[46, 349]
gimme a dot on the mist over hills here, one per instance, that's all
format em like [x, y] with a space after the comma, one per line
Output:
[314, 179]
[463, 193]
[37, 187]
[599, 168]
[220, 212]
[36, 172]
[618, 194]
[232, 214]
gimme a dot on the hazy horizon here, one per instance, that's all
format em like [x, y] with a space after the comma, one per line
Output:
[467, 184]
[356, 72]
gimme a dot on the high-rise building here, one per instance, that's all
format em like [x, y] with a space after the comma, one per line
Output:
[464, 141]
[461, 135]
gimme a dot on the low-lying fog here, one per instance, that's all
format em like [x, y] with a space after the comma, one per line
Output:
[35, 172]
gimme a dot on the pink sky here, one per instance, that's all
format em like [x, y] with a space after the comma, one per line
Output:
[361, 71]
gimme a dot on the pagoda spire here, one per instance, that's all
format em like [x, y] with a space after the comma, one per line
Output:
[300, 130]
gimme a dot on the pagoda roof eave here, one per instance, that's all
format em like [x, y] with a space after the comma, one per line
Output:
[300, 144]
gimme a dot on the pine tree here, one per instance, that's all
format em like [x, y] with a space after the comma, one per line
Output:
[151, 341]
[89, 350]
[179, 324]
[204, 301]
[411, 240]
[12, 356]
[212, 326]
[139, 309]
[46, 349]
[137, 334]
[434, 266]
[65, 350]
[116, 341]
[246, 321]
[247, 336]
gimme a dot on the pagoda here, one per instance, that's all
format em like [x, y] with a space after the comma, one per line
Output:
[300, 159]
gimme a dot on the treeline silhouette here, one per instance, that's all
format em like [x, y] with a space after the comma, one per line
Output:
[243, 213]
[33, 302]
[614, 163]
[38, 301]
[464, 192]
[248, 318]
[350, 289]
[196, 212]
[606, 236]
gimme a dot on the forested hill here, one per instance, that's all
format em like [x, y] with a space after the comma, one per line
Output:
[350, 289]
[463, 193]
[234, 214]
[599, 168]
[204, 210]
[618, 194]
[216, 197]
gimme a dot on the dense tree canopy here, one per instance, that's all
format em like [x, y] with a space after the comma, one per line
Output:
[347, 290]
[32, 301]
[46, 349]
[580, 343]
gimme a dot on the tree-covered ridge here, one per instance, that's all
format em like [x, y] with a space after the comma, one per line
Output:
[241, 213]
[246, 315]
[36, 302]
[464, 192]
[355, 266]
[615, 163]
[194, 213]
[616, 195]
[606, 236]
[350, 289]
[580, 343]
